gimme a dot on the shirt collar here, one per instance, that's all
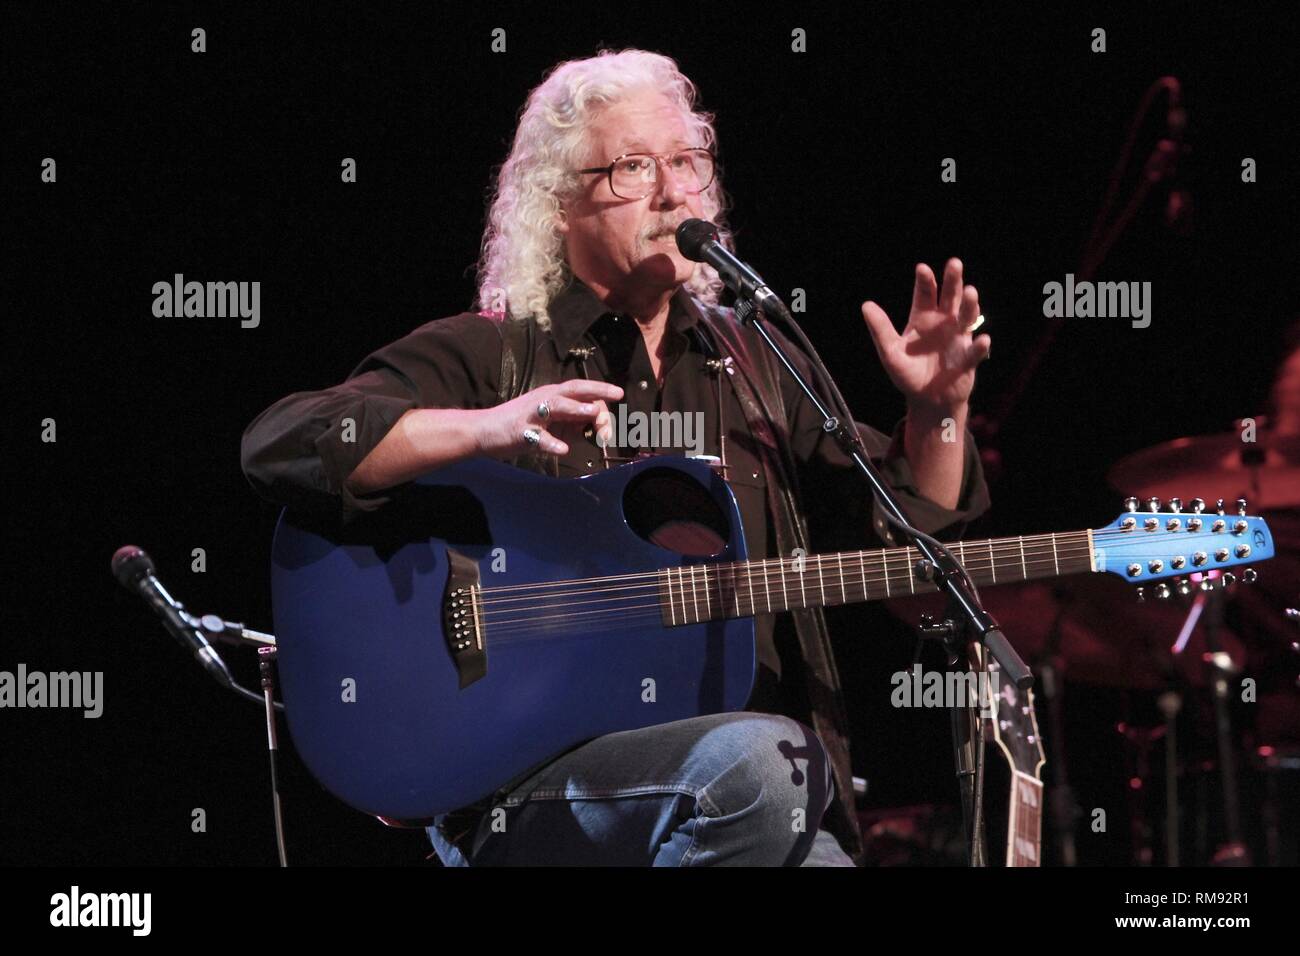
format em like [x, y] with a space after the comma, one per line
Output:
[575, 308]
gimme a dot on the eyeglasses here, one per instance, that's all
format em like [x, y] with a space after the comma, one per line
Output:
[636, 175]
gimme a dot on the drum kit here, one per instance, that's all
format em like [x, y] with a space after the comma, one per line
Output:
[1201, 655]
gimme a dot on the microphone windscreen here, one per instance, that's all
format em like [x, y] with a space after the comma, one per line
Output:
[691, 237]
[130, 564]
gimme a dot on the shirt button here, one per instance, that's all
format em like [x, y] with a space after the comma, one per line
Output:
[643, 385]
[755, 475]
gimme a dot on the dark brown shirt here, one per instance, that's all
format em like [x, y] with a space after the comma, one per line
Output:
[296, 452]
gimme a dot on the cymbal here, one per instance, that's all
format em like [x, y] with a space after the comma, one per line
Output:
[1104, 635]
[1265, 472]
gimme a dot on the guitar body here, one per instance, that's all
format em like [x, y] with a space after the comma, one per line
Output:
[391, 720]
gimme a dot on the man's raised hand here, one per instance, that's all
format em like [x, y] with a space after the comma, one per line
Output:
[933, 360]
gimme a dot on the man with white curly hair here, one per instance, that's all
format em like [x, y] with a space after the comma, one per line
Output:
[581, 282]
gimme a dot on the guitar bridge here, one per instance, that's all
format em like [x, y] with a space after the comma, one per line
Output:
[462, 619]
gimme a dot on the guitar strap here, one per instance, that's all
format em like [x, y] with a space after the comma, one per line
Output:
[517, 340]
[518, 375]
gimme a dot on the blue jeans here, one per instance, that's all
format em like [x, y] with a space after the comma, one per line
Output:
[739, 789]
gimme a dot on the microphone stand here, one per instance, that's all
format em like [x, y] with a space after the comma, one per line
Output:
[131, 566]
[265, 658]
[232, 632]
[966, 624]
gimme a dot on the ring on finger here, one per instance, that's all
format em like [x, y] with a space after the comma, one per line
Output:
[543, 411]
[978, 321]
[532, 436]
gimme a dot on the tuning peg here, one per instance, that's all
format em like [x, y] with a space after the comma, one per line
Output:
[1207, 585]
[1229, 579]
[1219, 506]
[1153, 504]
[1183, 586]
[1175, 505]
[1142, 595]
[1250, 575]
[1241, 507]
[1162, 591]
[1198, 505]
[1131, 503]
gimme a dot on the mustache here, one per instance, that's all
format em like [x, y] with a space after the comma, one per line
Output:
[664, 229]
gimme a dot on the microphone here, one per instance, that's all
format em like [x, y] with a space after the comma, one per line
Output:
[133, 569]
[697, 240]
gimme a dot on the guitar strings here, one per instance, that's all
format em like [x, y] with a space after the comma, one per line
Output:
[691, 575]
[692, 587]
[623, 611]
[696, 598]
[869, 563]
[866, 568]
[1001, 548]
[869, 560]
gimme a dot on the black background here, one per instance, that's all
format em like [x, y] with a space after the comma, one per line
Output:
[225, 166]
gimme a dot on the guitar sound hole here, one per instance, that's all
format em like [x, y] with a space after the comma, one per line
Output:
[670, 509]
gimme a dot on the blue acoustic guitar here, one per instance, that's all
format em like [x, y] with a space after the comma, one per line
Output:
[489, 618]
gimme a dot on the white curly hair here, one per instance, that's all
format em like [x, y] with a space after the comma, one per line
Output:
[522, 262]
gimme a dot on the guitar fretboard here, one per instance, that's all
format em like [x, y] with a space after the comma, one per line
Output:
[693, 593]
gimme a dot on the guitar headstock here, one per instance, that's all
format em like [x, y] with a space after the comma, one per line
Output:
[1014, 727]
[1014, 724]
[1151, 543]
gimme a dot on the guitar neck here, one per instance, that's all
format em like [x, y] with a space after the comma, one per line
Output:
[693, 593]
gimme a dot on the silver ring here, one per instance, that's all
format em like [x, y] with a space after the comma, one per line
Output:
[543, 411]
[532, 436]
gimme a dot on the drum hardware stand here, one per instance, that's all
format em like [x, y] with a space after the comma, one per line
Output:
[1233, 851]
[1271, 763]
[1140, 740]
[1207, 610]
[1063, 807]
[1170, 703]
